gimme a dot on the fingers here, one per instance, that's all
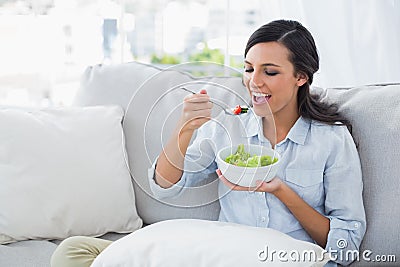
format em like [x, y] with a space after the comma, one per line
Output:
[197, 98]
[196, 106]
[196, 114]
[261, 186]
[196, 110]
[196, 102]
[231, 185]
[270, 186]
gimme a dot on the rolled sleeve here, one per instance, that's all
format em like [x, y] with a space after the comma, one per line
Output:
[344, 239]
[343, 200]
[160, 192]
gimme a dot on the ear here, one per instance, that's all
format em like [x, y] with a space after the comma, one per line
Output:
[302, 78]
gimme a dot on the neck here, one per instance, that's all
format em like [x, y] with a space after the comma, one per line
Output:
[277, 126]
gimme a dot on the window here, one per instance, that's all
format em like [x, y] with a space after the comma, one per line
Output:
[47, 44]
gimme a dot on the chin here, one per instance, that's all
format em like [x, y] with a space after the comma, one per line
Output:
[262, 110]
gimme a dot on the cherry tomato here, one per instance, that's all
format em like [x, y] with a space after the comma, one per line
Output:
[237, 110]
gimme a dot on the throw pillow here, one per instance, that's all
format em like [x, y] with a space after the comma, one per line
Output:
[192, 242]
[64, 172]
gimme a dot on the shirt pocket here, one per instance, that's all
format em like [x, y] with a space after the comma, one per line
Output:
[308, 184]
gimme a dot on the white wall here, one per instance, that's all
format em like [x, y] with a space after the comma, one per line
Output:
[358, 40]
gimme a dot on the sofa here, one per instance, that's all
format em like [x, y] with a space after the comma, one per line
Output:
[150, 99]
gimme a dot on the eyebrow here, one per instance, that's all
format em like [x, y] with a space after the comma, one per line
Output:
[265, 64]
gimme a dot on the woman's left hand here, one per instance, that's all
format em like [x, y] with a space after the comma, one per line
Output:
[270, 187]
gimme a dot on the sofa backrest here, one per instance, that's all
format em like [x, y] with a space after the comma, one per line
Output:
[374, 112]
[152, 104]
[152, 101]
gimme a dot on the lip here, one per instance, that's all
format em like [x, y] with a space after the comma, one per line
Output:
[259, 98]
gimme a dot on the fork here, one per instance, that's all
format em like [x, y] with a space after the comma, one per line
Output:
[227, 112]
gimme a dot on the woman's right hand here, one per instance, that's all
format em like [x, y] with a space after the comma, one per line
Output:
[196, 111]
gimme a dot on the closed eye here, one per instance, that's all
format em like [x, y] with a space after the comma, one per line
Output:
[266, 72]
[271, 73]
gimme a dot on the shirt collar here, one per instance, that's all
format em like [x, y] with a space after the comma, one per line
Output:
[298, 133]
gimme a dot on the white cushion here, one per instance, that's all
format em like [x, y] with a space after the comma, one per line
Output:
[112, 84]
[63, 172]
[191, 242]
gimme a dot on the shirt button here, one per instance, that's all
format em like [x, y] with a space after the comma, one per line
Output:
[263, 219]
[356, 225]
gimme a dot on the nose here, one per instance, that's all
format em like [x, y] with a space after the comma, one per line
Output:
[256, 79]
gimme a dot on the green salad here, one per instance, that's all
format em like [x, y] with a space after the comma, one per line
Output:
[244, 159]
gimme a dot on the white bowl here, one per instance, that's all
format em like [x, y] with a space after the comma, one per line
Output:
[247, 176]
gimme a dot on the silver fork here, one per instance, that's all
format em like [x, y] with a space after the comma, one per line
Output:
[227, 112]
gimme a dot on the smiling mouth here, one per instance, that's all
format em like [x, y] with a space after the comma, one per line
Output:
[260, 98]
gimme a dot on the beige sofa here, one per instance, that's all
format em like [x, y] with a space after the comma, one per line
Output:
[150, 98]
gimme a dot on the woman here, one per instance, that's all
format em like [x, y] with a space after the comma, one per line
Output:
[317, 193]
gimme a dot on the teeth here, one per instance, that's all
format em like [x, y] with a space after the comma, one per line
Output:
[259, 94]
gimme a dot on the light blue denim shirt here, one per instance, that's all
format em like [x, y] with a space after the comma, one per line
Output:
[319, 162]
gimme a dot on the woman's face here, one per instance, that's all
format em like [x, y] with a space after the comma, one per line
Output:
[269, 76]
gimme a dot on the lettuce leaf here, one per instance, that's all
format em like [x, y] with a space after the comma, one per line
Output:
[244, 159]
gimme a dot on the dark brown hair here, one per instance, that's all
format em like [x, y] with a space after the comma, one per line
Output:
[304, 57]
